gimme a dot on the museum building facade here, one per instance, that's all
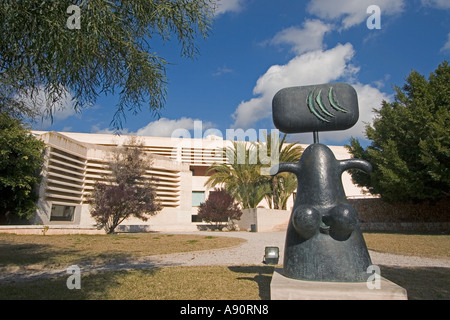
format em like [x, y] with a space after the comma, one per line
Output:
[74, 162]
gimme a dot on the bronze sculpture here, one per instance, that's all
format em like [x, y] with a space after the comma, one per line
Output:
[323, 240]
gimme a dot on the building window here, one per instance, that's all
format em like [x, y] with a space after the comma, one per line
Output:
[196, 218]
[62, 213]
[198, 197]
[200, 171]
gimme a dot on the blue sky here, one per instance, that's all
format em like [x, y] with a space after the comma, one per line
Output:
[258, 47]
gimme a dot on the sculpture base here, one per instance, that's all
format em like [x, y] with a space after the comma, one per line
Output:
[283, 288]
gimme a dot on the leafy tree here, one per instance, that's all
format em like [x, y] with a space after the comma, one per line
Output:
[128, 192]
[113, 50]
[219, 207]
[410, 149]
[241, 176]
[21, 160]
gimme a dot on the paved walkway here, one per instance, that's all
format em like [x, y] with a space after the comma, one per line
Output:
[252, 252]
[249, 253]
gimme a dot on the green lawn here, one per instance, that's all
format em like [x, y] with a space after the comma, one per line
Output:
[168, 283]
[56, 250]
[191, 283]
[431, 246]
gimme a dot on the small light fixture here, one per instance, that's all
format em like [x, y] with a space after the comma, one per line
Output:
[272, 255]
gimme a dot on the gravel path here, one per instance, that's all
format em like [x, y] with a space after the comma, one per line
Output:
[252, 252]
[249, 253]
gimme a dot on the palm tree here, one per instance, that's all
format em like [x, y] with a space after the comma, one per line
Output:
[283, 184]
[241, 176]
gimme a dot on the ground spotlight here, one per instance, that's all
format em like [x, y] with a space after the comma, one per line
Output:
[271, 255]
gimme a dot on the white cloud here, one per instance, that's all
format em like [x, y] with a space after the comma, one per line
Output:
[369, 98]
[222, 70]
[440, 4]
[224, 6]
[313, 64]
[353, 12]
[313, 67]
[67, 129]
[162, 128]
[308, 38]
[97, 129]
[165, 127]
[446, 47]
[61, 109]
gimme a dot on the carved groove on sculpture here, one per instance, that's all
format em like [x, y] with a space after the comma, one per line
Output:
[318, 100]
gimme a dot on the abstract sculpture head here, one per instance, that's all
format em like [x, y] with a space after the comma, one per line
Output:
[326, 107]
[323, 240]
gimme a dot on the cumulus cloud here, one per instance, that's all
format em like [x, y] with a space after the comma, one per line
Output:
[222, 70]
[310, 68]
[98, 130]
[313, 64]
[308, 38]
[166, 127]
[440, 4]
[224, 6]
[369, 98]
[446, 47]
[353, 12]
[163, 127]
[62, 109]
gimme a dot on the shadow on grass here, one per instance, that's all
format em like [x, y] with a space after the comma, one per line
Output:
[22, 254]
[263, 277]
[94, 286]
[421, 283]
[47, 256]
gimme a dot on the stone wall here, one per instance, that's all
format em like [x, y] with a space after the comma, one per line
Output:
[375, 214]
[425, 227]
[49, 230]
[378, 215]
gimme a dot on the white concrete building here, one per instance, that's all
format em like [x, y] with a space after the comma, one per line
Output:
[75, 161]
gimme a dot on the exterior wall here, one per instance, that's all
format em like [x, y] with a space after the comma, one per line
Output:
[72, 168]
[75, 161]
[265, 220]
